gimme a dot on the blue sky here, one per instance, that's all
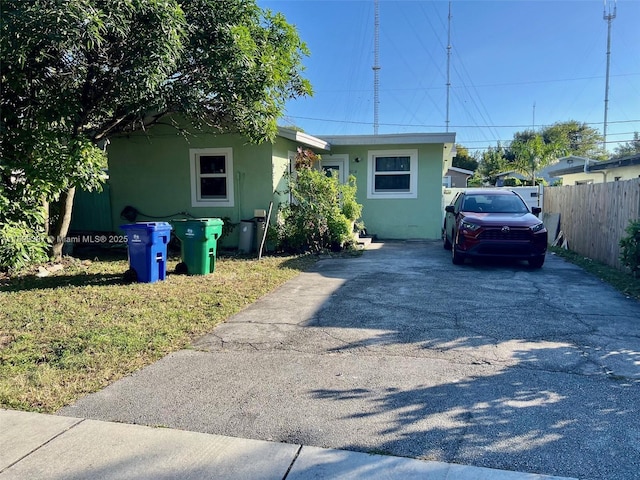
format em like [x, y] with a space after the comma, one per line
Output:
[506, 56]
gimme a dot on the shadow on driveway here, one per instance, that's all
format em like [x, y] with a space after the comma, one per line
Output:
[399, 352]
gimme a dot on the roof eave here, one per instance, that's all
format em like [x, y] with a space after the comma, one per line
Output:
[304, 138]
[393, 139]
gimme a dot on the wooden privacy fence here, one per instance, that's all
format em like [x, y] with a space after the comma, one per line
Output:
[593, 218]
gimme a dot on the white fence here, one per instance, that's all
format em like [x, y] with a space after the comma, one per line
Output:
[534, 196]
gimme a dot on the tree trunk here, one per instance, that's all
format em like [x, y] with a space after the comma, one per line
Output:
[62, 224]
[47, 225]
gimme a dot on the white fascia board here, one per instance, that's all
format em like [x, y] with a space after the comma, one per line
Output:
[575, 158]
[304, 138]
[461, 170]
[393, 139]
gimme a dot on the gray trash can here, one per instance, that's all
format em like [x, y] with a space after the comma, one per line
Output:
[245, 244]
[261, 226]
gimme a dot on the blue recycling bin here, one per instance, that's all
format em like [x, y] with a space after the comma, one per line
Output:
[147, 245]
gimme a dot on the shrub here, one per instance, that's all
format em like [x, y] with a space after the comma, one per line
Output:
[22, 217]
[512, 182]
[20, 246]
[630, 248]
[323, 212]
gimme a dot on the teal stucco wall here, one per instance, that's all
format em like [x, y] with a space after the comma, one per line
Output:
[151, 172]
[402, 218]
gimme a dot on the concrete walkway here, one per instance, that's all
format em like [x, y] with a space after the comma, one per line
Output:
[37, 446]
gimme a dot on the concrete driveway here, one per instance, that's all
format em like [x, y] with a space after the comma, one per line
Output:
[399, 352]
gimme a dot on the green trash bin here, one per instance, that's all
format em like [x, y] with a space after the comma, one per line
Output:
[198, 243]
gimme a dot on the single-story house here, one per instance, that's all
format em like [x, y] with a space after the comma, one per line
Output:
[163, 175]
[578, 170]
[456, 177]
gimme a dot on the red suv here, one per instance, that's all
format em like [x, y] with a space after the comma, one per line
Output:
[493, 223]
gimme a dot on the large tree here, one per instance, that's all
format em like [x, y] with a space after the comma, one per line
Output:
[530, 156]
[575, 138]
[75, 73]
[629, 148]
[492, 162]
[464, 160]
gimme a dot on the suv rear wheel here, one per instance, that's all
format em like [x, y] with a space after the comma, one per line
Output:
[445, 241]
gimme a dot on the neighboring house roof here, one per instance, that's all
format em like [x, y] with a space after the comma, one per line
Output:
[461, 170]
[550, 172]
[594, 165]
[510, 173]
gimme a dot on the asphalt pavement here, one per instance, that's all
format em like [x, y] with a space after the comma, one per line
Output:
[399, 353]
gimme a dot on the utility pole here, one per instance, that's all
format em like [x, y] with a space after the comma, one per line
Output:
[448, 66]
[376, 66]
[533, 124]
[609, 18]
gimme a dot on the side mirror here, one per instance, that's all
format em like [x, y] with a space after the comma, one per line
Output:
[536, 210]
[449, 209]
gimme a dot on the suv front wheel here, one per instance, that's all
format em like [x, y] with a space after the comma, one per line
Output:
[457, 258]
[536, 262]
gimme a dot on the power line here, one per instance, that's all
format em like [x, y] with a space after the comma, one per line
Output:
[440, 125]
[505, 144]
[483, 85]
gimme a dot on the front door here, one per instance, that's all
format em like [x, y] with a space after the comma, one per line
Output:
[335, 163]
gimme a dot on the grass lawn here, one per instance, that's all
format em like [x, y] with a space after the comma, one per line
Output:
[82, 328]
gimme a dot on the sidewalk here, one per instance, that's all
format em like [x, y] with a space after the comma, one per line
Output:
[38, 446]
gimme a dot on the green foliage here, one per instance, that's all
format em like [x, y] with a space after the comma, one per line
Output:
[630, 248]
[492, 163]
[78, 330]
[475, 181]
[532, 150]
[629, 148]
[323, 212]
[20, 246]
[512, 182]
[464, 160]
[575, 138]
[75, 73]
[532, 154]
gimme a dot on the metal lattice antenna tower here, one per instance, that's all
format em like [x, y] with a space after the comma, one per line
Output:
[448, 67]
[376, 66]
[609, 18]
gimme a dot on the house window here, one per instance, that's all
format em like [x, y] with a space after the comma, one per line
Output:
[446, 181]
[211, 177]
[393, 174]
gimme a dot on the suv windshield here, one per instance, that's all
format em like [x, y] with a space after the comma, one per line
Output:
[487, 203]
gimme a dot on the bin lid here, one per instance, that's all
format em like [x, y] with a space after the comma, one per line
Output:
[207, 221]
[147, 226]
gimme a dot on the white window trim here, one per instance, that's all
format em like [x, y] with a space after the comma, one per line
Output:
[194, 154]
[413, 172]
